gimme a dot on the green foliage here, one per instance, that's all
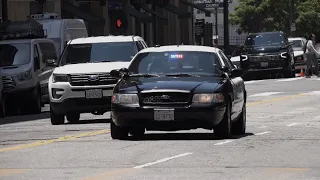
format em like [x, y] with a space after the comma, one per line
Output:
[274, 15]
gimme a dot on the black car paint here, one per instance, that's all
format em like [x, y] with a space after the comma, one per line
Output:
[233, 88]
[263, 50]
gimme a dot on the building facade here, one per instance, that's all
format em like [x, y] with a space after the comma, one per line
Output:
[158, 22]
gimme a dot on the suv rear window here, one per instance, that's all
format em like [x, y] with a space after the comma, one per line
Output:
[99, 52]
[265, 40]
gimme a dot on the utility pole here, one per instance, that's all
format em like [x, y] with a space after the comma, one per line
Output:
[226, 25]
[216, 20]
[4, 10]
[292, 17]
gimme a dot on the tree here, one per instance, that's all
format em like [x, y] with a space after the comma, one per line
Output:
[262, 15]
[308, 15]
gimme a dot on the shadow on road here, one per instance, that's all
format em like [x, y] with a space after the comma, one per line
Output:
[182, 136]
[24, 118]
[91, 121]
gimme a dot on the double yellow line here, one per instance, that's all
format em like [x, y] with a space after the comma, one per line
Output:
[93, 133]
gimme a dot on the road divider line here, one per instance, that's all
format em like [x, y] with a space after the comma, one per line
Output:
[162, 160]
[224, 142]
[274, 100]
[262, 133]
[60, 139]
[8, 172]
[263, 127]
[265, 94]
[293, 124]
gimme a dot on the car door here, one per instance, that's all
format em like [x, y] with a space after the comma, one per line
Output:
[238, 90]
[47, 51]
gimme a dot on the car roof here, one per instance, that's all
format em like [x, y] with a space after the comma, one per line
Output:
[110, 38]
[181, 48]
[296, 38]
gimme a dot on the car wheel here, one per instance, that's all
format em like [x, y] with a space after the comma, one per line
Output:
[118, 132]
[73, 117]
[36, 105]
[137, 132]
[56, 119]
[3, 107]
[239, 126]
[223, 130]
[288, 73]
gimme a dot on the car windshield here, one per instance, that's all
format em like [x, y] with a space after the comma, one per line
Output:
[14, 54]
[99, 52]
[191, 62]
[265, 40]
[297, 44]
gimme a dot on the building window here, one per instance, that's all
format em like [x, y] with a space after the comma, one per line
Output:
[36, 7]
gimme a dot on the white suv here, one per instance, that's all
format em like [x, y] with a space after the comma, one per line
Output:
[82, 83]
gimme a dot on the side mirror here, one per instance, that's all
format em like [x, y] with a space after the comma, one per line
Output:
[51, 63]
[244, 62]
[115, 74]
[236, 73]
[224, 69]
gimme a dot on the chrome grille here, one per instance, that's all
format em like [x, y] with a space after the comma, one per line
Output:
[165, 98]
[8, 83]
[269, 57]
[91, 79]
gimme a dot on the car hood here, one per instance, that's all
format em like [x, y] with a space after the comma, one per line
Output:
[261, 49]
[298, 53]
[197, 84]
[90, 67]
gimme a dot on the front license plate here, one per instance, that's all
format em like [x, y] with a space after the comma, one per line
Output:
[264, 64]
[164, 114]
[94, 93]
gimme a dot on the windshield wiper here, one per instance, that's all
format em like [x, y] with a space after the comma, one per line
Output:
[182, 75]
[144, 75]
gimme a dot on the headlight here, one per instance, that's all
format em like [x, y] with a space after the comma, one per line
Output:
[25, 76]
[284, 54]
[208, 98]
[60, 78]
[129, 99]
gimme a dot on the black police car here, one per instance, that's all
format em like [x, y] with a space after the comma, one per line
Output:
[267, 53]
[172, 88]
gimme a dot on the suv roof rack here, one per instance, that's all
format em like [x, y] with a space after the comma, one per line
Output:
[29, 29]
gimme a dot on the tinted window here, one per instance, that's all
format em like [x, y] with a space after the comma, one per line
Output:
[99, 52]
[176, 62]
[265, 39]
[297, 44]
[48, 51]
[226, 60]
[14, 54]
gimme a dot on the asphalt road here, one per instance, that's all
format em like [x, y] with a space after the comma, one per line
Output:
[282, 142]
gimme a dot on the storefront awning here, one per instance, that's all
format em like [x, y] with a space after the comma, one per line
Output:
[177, 10]
[207, 13]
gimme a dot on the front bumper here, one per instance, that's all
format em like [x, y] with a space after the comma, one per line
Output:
[81, 105]
[190, 117]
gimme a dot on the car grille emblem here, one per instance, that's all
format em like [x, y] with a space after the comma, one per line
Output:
[93, 78]
[165, 97]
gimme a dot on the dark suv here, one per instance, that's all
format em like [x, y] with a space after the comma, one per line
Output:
[267, 53]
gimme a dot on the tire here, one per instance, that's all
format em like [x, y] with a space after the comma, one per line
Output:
[288, 73]
[73, 117]
[239, 126]
[137, 132]
[56, 119]
[223, 130]
[3, 107]
[118, 132]
[36, 104]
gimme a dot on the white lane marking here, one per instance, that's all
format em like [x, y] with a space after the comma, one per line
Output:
[290, 79]
[265, 94]
[293, 124]
[317, 93]
[224, 142]
[251, 82]
[162, 160]
[264, 127]
[262, 133]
